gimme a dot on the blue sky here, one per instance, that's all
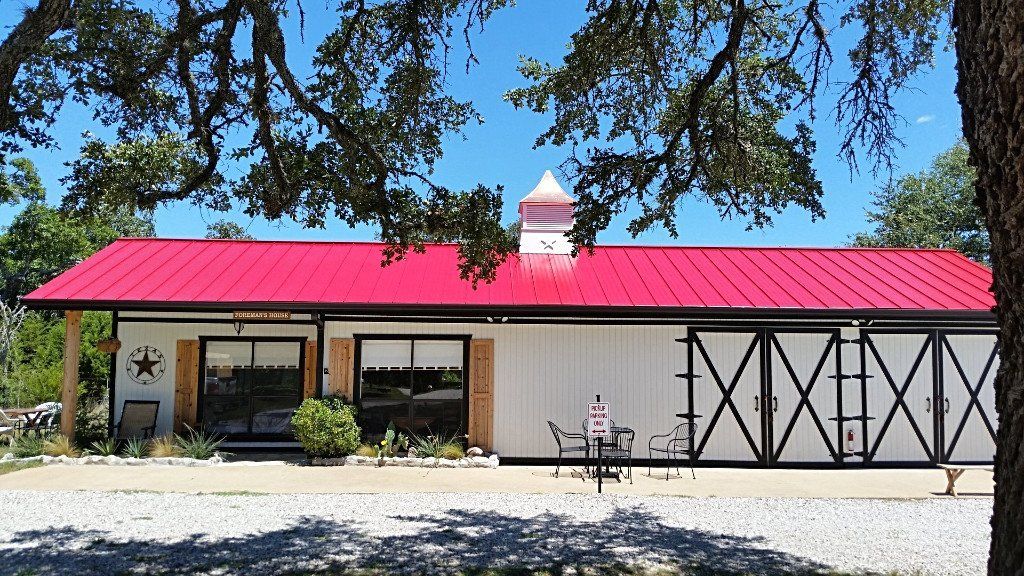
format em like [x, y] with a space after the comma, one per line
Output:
[501, 150]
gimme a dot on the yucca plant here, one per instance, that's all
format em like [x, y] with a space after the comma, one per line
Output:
[438, 447]
[106, 447]
[164, 447]
[60, 445]
[198, 444]
[136, 448]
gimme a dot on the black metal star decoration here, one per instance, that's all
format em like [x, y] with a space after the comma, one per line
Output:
[145, 365]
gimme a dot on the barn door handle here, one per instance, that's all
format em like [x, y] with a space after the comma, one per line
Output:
[775, 403]
[757, 404]
[928, 402]
[947, 405]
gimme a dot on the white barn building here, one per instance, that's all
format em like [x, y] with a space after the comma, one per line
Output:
[779, 356]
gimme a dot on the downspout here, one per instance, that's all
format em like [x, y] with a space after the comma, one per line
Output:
[319, 321]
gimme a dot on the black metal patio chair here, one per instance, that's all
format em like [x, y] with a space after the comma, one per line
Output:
[678, 442]
[561, 435]
[620, 450]
[138, 420]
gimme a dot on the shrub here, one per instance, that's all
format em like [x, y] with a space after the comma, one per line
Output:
[326, 428]
[27, 446]
[60, 445]
[366, 450]
[105, 447]
[164, 447]
[136, 448]
[198, 444]
[91, 420]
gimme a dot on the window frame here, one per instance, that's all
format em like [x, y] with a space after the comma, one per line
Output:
[357, 366]
[252, 340]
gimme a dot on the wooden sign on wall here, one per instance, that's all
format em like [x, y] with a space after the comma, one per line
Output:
[262, 315]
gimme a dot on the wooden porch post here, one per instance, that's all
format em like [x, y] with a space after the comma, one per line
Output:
[69, 387]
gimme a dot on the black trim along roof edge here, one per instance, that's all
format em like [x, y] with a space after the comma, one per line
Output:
[464, 311]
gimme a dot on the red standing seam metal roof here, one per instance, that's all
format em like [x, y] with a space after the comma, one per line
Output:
[169, 273]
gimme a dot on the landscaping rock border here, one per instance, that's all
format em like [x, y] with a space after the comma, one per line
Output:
[114, 461]
[467, 462]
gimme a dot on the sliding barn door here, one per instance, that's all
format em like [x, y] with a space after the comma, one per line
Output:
[968, 363]
[804, 404]
[901, 395]
[728, 396]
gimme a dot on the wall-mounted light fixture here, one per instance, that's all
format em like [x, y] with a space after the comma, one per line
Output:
[239, 326]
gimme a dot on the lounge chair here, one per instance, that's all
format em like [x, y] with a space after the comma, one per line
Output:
[9, 427]
[138, 420]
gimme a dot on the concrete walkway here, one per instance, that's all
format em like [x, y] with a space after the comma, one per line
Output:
[285, 478]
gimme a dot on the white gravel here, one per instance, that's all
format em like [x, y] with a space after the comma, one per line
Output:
[151, 533]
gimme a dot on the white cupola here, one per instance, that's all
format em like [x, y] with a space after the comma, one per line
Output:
[545, 215]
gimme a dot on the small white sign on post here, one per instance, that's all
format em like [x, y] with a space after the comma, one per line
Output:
[599, 420]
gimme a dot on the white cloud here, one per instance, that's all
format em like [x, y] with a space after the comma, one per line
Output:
[925, 119]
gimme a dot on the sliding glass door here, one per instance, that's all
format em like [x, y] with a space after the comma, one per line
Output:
[251, 387]
[417, 384]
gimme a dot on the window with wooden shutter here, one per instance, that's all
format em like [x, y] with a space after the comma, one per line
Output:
[340, 367]
[186, 384]
[481, 393]
[309, 373]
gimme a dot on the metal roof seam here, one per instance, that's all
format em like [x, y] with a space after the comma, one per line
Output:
[780, 270]
[172, 255]
[727, 279]
[821, 270]
[285, 276]
[743, 272]
[882, 281]
[938, 284]
[703, 276]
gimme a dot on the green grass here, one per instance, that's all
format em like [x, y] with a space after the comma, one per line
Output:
[8, 467]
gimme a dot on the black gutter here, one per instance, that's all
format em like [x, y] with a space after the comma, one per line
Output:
[602, 312]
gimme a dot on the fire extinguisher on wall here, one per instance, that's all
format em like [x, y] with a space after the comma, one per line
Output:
[850, 437]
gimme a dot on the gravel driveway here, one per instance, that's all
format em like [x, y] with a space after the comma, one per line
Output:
[151, 533]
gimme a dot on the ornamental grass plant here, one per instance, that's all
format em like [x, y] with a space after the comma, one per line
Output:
[60, 445]
[164, 447]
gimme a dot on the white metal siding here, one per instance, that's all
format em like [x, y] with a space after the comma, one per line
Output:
[549, 372]
[164, 336]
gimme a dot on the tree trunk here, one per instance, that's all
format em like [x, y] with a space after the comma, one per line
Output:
[990, 57]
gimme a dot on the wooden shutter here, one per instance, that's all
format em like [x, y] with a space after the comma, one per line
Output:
[340, 366]
[309, 373]
[186, 384]
[481, 393]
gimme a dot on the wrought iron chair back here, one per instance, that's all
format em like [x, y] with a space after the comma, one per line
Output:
[678, 442]
[559, 435]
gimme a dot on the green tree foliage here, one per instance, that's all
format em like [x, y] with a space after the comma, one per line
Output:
[39, 360]
[41, 242]
[225, 229]
[934, 208]
[357, 139]
[20, 182]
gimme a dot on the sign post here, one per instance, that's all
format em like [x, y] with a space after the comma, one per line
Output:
[599, 423]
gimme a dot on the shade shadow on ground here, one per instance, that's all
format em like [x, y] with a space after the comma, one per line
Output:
[455, 541]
